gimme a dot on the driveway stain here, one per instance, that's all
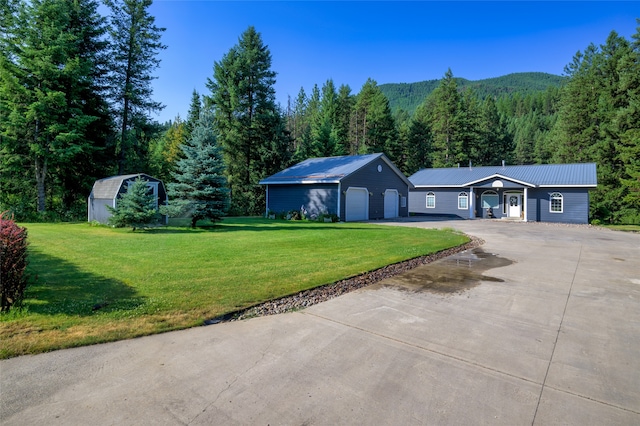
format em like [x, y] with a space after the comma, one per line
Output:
[455, 274]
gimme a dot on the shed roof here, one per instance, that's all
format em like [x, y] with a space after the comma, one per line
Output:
[536, 175]
[327, 170]
[108, 188]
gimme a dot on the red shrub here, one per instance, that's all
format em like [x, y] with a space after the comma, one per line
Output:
[13, 263]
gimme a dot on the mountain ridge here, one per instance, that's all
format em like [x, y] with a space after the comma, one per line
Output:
[408, 96]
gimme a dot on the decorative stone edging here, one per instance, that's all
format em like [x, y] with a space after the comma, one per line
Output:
[326, 292]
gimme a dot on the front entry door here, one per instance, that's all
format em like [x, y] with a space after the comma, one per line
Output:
[515, 205]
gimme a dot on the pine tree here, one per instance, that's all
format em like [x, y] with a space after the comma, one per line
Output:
[200, 186]
[135, 43]
[135, 208]
[443, 104]
[344, 105]
[249, 124]
[372, 128]
[493, 146]
[193, 116]
[54, 113]
[627, 121]
[419, 141]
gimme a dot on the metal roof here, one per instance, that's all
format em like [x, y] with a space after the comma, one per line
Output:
[108, 188]
[537, 175]
[326, 170]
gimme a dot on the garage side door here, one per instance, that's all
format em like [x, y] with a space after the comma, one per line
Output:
[390, 203]
[357, 204]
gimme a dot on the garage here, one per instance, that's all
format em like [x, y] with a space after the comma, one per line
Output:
[351, 187]
[357, 204]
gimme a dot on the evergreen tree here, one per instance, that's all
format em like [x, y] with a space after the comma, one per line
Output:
[135, 208]
[297, 119]
[443, 104]
[403, 127]
[627, 122]
[249, 124]
[419, 141]
[469, 133]
[200, 186]
[372, 128]
[135, 43]
[193, 116]
[493, 146]
[344, 105]
[598, 122]
[54, 114]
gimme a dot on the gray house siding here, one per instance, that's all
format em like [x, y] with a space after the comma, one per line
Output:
[575, 205]
[446, 202]
[316, 198]
[533, 206]
[376, 182]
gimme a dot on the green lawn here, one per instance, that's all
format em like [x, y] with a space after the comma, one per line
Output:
[626, 228]
[171, 278]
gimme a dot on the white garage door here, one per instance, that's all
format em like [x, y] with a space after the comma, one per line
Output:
[390, 203]
[357, 204]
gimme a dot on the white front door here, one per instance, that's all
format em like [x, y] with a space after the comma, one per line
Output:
[514, 205]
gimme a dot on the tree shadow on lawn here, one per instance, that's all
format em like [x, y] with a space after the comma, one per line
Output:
[60, 287]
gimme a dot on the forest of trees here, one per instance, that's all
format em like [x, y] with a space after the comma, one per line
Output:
[76, 98]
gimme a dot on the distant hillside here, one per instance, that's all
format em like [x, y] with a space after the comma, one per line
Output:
[409, 95]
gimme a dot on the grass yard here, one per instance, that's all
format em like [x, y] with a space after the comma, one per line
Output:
[625, 228]
[98, 284]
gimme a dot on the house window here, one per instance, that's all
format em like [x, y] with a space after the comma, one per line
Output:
[463, 201]
[490, 200]
[555, 202]
[431, 200]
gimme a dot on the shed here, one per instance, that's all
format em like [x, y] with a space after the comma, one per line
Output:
[353, 187]
[106, 192]
[540, 192]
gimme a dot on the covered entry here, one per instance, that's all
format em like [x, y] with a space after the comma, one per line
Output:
[357, 204]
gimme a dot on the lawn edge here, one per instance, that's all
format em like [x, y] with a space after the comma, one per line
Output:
[326, 292]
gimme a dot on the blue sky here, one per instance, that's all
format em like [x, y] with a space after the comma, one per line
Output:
[391, 42]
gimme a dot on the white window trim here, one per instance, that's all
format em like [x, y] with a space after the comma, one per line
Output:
[431, 194]
[465, 196]
[556, 195]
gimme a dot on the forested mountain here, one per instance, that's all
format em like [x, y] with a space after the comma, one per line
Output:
[408, 96]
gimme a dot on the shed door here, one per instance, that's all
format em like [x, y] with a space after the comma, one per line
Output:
[390, 203]
[357, 204]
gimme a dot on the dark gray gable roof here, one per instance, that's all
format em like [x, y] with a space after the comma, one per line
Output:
[108, 188]
[327, 170]
[537, 175]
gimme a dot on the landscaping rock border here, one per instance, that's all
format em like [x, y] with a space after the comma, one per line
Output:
[326, 292]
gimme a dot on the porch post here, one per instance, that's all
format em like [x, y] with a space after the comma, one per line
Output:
[524, 203]
[471, 209]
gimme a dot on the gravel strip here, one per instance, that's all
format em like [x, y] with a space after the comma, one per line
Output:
[326, 292]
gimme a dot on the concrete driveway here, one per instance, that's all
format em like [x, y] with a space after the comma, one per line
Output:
[550, 335]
